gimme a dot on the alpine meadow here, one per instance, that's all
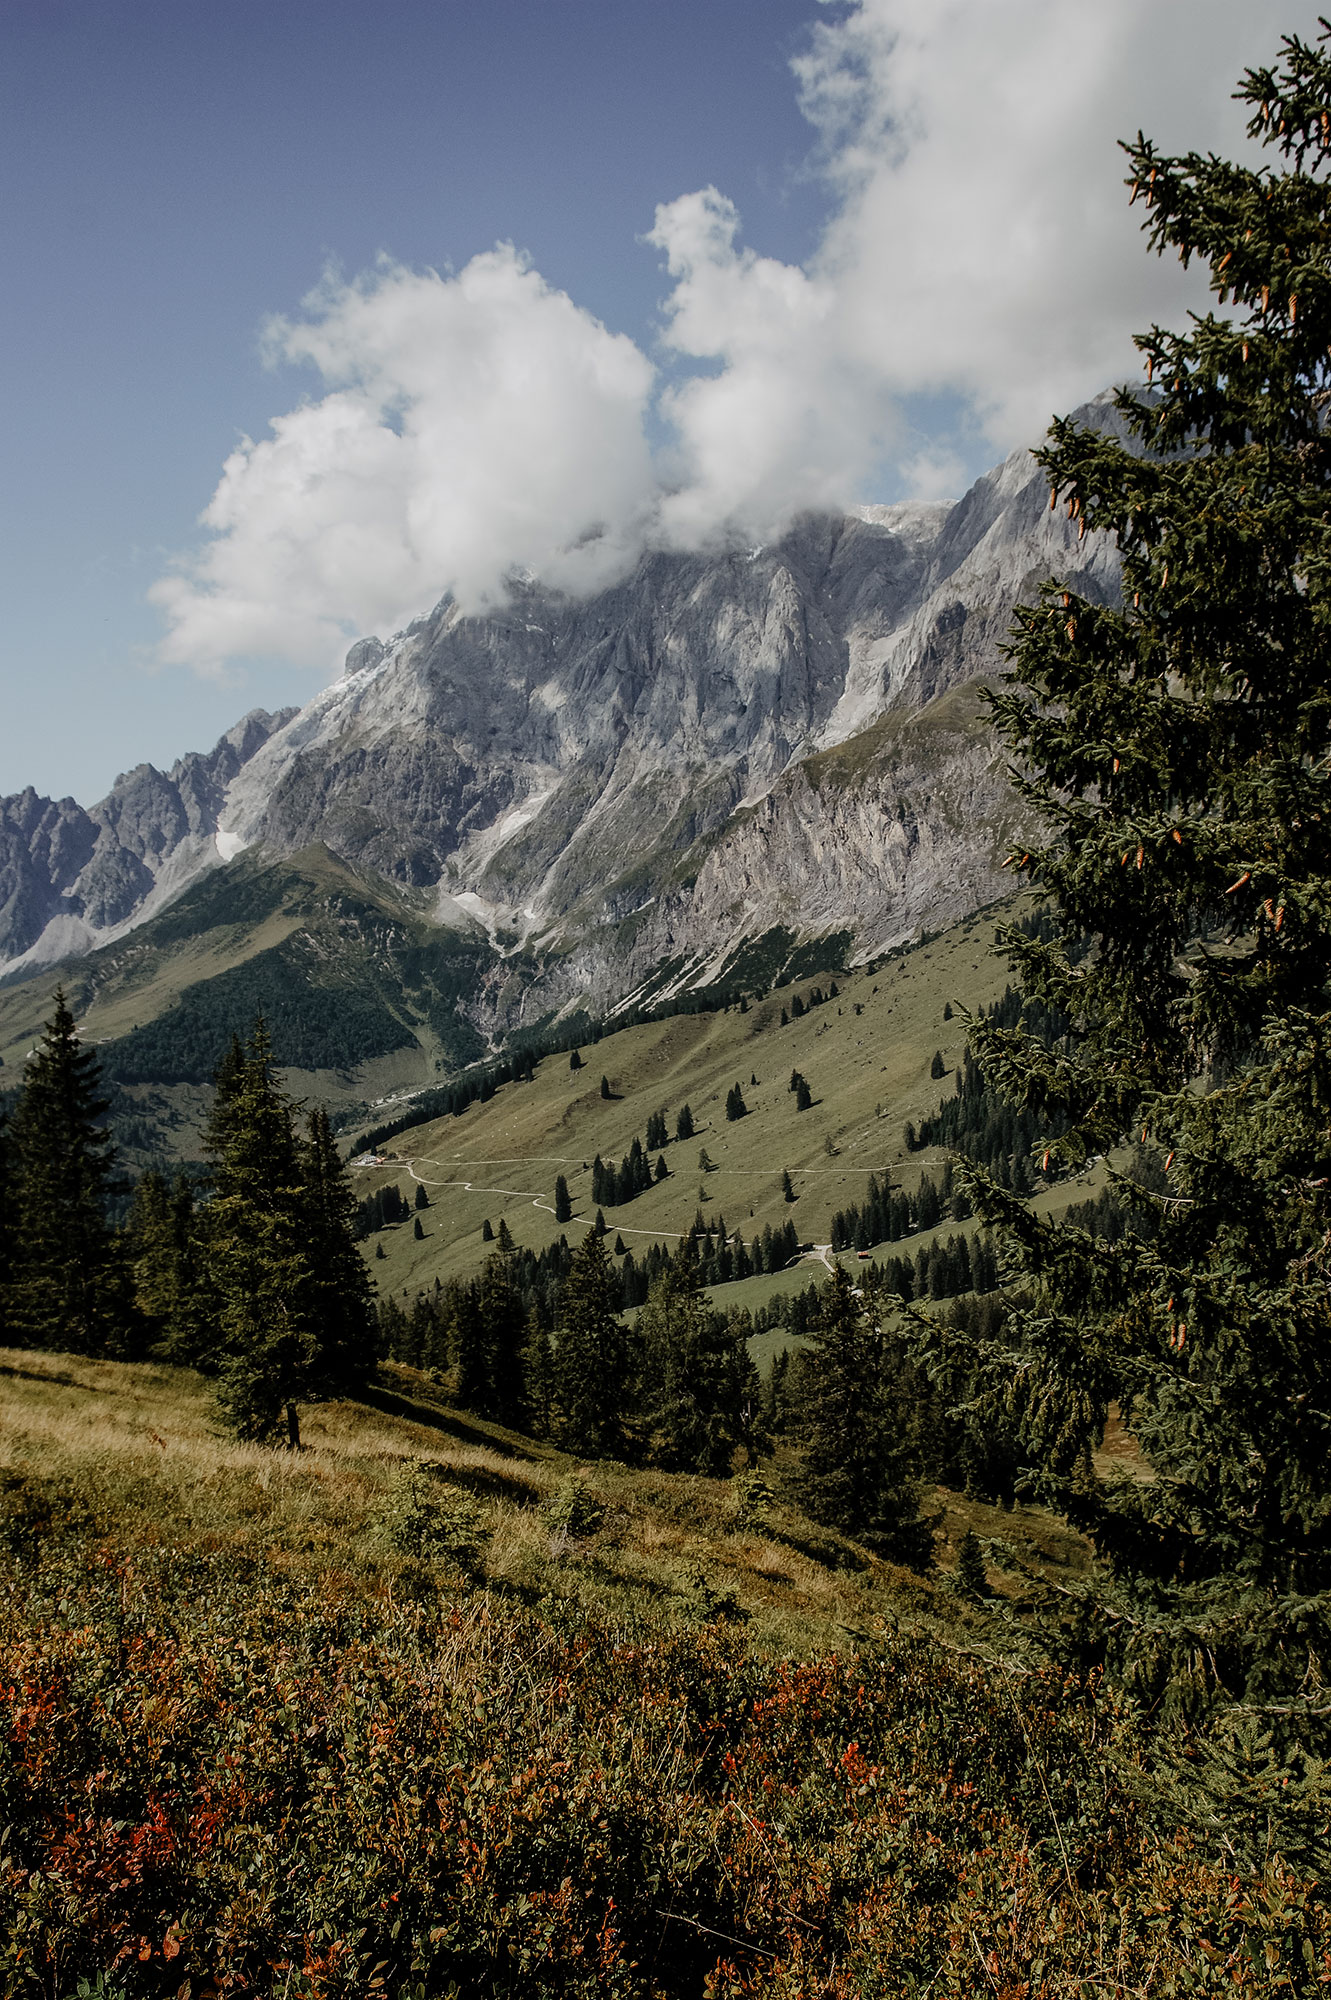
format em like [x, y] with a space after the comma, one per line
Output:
[737, 1401]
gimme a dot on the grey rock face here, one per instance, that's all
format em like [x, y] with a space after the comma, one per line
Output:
[69, 877]
[561, 769]
[719, 743]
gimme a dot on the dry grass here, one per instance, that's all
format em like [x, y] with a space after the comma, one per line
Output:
[136, 1448]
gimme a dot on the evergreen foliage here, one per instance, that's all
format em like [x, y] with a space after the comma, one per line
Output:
[563, 1201]
[735, 1105]
[289, 1296]
[313, 1026]
[591, 1357]
[500, 1391]
[538, 1372]
[340, 1297]
[978, 1120]
[1178, 751]
[612, 1187]
[265, 1344]
[887, 1213]
[381, 1210]
[162, 1243]
[68, 1285]
[970, 1565]
[8, 1216]
[863, 1454]
[698, 1392]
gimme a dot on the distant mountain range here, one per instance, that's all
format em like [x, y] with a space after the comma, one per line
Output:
[721, 758]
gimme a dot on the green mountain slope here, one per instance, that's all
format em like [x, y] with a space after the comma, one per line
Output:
[360, 992]
[866, 1054]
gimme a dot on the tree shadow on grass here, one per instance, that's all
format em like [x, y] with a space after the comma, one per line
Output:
[453, 1423]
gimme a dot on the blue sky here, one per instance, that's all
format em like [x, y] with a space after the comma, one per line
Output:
[176, 174]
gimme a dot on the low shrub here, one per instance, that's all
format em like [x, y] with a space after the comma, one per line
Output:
[430, 1522]
[219, 1777]
[573, 1509]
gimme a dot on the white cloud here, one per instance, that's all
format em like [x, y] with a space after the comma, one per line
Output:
[791, 420]
[982, 243]
[979, 251]
[472, 424]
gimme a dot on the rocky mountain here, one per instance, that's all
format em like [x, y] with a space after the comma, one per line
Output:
[628, 793]
[71, 879]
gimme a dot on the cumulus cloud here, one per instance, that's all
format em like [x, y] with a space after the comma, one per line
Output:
[791, 419]
[978, 258]
[981, 243]
[473, 425]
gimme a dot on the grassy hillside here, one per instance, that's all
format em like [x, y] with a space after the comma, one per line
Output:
[392, 1717]
[359, 988]
[130, 1448]
[866, 1055]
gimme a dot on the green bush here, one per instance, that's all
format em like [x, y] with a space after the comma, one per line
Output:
[751, 1496]
[428, 1521]
[574, 1509]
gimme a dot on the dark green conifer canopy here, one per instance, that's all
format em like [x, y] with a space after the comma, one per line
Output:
[1174, 751]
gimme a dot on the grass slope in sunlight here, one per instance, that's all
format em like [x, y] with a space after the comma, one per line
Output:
[868, 1071]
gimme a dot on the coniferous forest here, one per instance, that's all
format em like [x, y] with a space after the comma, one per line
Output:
[705, 1703]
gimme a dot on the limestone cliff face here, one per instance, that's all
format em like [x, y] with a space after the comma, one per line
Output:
[902, 829]
[70, 879]
[719, 743]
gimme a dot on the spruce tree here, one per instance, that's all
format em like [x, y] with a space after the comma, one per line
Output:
[591, 1357]
[970, 1565]
[8, 1217]
[159, 1244]
[69, 1285]
[860, 1427]
[1177, 751]
[340, 1297]
[504, 1333]
[256, 1254]
[538, 1367]
[563, 1201]
[471, 1361]
[698, 1393]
